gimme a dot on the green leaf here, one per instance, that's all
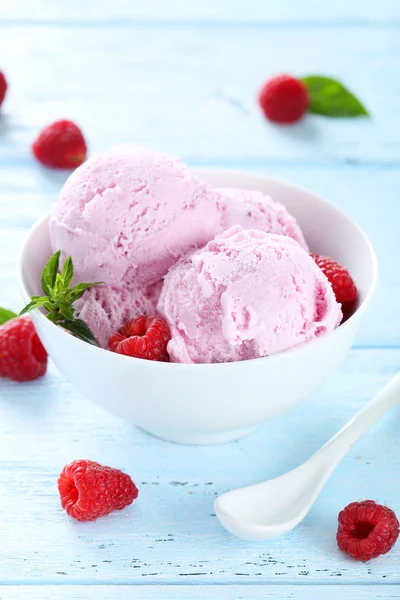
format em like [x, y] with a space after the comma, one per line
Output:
[77, 292]
[59, 299]
[35, 304]
[67, 273]
[59, 285]
[80, 330]
[331, 98]
[49, 274]
[67, 311]
[53, 317]
[40, 298]
[6, 315]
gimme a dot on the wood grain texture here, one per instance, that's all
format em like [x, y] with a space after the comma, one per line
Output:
[200, 592]
[183, 77]
[171, 535]
[255, 12]
[193, 92]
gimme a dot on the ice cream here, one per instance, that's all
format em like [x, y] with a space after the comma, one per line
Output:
[127, 215]
[255, 210]
[246, 294]
[228, 269]
[105, 309]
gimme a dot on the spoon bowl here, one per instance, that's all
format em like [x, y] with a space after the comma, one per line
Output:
[268, 510]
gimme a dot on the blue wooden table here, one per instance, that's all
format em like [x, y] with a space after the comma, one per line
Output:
[182, 77]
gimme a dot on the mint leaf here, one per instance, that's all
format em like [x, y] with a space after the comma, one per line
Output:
[6, 315]
[331, 98]
[77, 292]
[81, 330]
[67, 273]
[35, 304]
[49, 274]
[53, 318]
[59, 298]
[59, 286]
[66, 311]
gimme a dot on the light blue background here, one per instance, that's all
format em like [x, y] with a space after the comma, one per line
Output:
[182, 76]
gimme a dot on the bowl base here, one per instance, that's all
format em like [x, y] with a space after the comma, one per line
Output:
[194, 438]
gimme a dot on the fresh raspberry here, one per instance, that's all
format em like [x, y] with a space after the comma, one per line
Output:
[342, 283]
[60, 145]
[284, 99]
[22, 356]
[367, 530]
[89, 491]
[3, 87]
[143, 337]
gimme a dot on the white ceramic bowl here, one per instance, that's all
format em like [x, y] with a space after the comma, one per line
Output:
[204, 404]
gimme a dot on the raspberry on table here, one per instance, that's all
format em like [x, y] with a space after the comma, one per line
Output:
[284, 99]
[60, 145]
[367, 530]
[22, 356]
[142, 337]
[3, 87]
[342, 283]
[89, 490]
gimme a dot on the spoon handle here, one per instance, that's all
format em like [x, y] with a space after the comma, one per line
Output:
[336, 448]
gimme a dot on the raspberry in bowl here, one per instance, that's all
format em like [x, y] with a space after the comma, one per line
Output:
[201, 402]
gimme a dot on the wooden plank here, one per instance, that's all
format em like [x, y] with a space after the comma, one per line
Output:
[198, 592]
[183, 76]
[194, 93]
[171, 535]
[235, 11]
[369, 195]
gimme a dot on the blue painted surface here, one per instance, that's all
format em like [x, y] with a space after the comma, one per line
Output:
[182, 77]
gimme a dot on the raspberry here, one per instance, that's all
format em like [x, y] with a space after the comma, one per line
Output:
[3, 87]
[60, 145]
[342, 283]
[143, 337]
[22, 356]
[284, 99]
[367, 530]
[89, 490]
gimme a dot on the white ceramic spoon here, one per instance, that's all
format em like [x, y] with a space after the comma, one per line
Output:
[267, 510]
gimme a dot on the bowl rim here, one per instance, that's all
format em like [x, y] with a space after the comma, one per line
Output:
[233, 364]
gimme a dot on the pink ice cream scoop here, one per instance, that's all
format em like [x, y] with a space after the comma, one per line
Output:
[105, 309]
[127, 215]
[255, 210]
[246, 294]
